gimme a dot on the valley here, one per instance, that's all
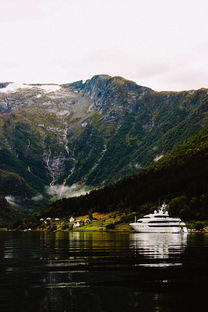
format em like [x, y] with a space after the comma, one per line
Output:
[59, 141]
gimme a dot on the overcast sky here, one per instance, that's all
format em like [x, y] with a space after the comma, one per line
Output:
[162, 44]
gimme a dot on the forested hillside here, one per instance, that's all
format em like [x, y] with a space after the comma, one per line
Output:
[179, 178]
[8, 213]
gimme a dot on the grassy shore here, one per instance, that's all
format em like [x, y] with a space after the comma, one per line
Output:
[115, 220]
[112, 221]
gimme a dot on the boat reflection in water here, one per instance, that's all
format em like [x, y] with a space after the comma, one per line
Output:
[159, 249]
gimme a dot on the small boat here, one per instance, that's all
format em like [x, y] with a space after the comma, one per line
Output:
[159, 222]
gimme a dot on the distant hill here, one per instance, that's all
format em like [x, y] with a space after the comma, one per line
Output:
[61, 140]
[179, 178]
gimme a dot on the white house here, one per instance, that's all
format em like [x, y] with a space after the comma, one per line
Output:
[77, 223]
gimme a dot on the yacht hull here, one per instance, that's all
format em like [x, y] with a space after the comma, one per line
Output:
[146, 229]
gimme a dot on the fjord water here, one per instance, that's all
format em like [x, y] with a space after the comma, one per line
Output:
[102, 271]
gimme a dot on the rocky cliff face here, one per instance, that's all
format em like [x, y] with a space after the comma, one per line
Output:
[56, 140]
[114, 94]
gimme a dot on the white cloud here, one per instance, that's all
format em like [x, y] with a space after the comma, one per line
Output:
[37, 197]
[11, 200]
[65, 40]
[63, 191]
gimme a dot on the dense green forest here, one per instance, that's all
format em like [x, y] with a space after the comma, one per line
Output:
[179, 178]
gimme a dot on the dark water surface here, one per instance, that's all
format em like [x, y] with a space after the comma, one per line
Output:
[103, 272]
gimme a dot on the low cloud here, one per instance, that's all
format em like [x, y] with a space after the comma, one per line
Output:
[37, 197]
[62, 191]
[11, 200]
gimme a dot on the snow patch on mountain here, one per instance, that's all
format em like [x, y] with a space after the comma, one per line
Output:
[14, 86]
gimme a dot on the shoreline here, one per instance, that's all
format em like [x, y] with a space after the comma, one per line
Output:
[100, 231]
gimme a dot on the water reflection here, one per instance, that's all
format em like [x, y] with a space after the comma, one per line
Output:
[67, 272]
[158, 248]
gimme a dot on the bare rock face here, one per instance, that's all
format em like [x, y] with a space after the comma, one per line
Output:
[56, 139]
[114, 93]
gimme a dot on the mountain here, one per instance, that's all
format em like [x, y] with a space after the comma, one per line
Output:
[61, 140]
[8, 214]
[179, 178]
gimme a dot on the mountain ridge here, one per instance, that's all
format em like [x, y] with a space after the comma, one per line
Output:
[56, 139]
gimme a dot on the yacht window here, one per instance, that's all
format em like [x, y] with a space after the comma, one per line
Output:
[163, 221]
[165, 225]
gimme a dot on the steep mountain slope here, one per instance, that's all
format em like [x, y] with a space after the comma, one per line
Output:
[55, 139]
[180, 178]
[8, 214]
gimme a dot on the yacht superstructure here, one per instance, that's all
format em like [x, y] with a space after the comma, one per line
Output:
[159, 222]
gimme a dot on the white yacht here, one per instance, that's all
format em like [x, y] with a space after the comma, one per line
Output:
[159, 222]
